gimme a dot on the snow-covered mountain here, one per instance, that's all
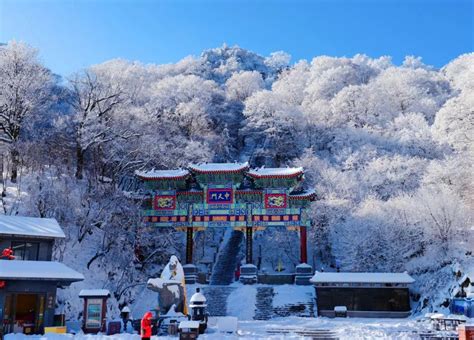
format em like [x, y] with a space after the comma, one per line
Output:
[387, 147]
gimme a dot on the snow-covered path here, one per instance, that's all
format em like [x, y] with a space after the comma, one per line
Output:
[353, 328]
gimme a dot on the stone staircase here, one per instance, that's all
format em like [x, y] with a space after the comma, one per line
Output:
[264, 309]
[302, 309]
[264, 303]
[217, 299]
[224, 269]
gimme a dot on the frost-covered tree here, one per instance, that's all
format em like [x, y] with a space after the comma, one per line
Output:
[25, 90]
[278, 60]
[243, 84]
[94, 100]
[273, 127]
[454, 122]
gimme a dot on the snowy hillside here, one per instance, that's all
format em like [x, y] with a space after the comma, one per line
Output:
[388, 149]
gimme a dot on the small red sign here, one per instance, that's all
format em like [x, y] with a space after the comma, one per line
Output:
[165, 202]
[275, 201]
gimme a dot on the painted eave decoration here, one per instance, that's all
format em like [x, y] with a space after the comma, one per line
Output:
[309, 195]
[154, 175]
[219, 168]
[275, 173]
[248, 192]
[190, 192]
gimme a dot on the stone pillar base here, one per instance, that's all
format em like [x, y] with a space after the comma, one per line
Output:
[303, 273]
[190, 273]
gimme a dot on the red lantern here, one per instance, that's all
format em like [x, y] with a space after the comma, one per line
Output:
[2, 284]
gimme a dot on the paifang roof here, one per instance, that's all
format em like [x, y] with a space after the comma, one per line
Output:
[275, 172]
[219, 167]
[340, 277]
[162, 174]
[38, 271]
[30, 226]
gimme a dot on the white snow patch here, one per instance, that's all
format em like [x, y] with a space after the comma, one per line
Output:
[241, 302]
[343, 328]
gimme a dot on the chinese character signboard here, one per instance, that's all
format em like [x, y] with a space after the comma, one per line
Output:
[219, 196]
[275, 201]
[165, 202]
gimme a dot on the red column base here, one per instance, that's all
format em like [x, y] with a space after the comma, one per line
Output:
[303, 245]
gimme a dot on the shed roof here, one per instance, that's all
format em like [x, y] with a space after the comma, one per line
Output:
[188, 324]
[94, 293]
[38, 271]
[275, 172]
[30, 226]
[219, 167]
[331, 277]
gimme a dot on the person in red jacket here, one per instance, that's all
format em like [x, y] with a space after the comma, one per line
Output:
[146, 326]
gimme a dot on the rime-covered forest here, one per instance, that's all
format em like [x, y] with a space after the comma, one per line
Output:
[388, 149]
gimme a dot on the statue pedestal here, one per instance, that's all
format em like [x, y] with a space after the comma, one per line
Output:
[190, 273]
[303, 274]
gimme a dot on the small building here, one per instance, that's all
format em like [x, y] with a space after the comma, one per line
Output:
[28, 283]
[188, 330]
[197, 307]
[95, 309]
[383, 295]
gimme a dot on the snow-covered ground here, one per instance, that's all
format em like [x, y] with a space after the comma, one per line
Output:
[353, 328]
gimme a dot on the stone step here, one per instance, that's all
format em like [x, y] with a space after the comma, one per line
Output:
[312, 333]
[226, 263]
[296, 309]
[217, 299]
[264, 303]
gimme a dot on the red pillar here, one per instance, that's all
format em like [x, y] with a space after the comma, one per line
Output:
[303, 245]
[189, 245]
[249, 245]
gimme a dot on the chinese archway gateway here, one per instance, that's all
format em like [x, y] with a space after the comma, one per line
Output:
[227, 195]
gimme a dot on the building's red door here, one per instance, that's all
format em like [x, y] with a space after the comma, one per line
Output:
[23, 313]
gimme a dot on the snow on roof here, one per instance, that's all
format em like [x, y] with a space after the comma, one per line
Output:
[275, 172]
[30, 226]
[331, 277]
[188, 324]
[38, 270]
[304, 265]
[162, 174]
[198, 300]
[248, 265]
[219, 167]
[94, 292]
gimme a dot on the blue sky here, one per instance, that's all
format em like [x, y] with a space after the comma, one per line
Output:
[72, 34]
